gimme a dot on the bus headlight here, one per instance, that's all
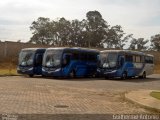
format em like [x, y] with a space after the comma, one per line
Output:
[30, 69]
[57, 69]
[113, 71]
[43, 69]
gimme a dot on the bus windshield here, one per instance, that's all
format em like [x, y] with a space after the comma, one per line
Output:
[52, 58]
[108, 60]
[26, 58]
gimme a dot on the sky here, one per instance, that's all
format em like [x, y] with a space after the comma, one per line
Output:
[138, 17]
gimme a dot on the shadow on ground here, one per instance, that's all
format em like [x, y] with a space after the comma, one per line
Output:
[136, 79]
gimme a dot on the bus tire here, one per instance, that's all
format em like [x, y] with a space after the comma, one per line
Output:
[31, 75]
[43, 75]
[124, 76]
[72, 74]
[106, 77]
[144, 75]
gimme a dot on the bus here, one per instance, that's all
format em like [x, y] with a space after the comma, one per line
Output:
[70, 62]
[30, 61]
[125, 64]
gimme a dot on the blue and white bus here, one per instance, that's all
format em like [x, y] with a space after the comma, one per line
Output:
[30, 61]
[70, 62]
[125, 63]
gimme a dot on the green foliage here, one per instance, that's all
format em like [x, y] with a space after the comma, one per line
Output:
[138, 44]
[155, 42]
[96, 28]
[93, 31]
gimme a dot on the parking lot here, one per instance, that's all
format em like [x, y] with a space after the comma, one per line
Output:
[24, 95]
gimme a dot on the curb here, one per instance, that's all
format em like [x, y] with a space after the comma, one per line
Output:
[144, 103]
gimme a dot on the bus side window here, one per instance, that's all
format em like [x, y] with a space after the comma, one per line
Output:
[149, 59]
[134, 58]
[129, 58]
[66, 59]
[83, 57]
[92, 57]
[138, 59]
[142, 59]
[76, 56]
[146, 59]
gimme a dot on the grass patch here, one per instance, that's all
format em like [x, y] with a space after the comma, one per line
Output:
[8, 72]
[155, 94]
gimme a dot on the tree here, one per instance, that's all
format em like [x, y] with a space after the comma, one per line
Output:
[91, 32]
[139, 44]
[40, 31]
[155, 42]
[96, 29]
[115, 37]
[63, 28]
[78, 33]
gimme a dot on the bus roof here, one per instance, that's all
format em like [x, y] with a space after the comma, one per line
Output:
[34, 49]
[74, 48]
[127, 51]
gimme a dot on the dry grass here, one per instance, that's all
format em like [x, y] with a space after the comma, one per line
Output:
[8, 72]
[155, 94]
[8, 69]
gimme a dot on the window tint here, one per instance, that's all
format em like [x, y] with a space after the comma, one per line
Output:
[142, 59]
[75, 56]
[138, 59]
[134, 58]
[92, 57]
[129, 58]
[148, 59]
[83, 57]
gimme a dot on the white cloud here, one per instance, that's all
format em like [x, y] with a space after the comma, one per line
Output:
[140, 17]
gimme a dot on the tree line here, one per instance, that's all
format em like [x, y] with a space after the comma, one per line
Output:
[93, 31]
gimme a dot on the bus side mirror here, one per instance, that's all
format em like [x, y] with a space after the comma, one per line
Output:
[66, 60]
[38, 59]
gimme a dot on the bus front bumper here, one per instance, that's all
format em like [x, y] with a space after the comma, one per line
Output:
[110, 74]
[25, 70]
[54, 73]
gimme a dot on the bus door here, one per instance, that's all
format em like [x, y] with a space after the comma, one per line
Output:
[38, 63]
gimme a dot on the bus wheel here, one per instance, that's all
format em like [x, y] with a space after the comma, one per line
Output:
[144, 75]
[31, 75]
[72, 74]
[43, 75]
[106, 77]
[124, 76]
